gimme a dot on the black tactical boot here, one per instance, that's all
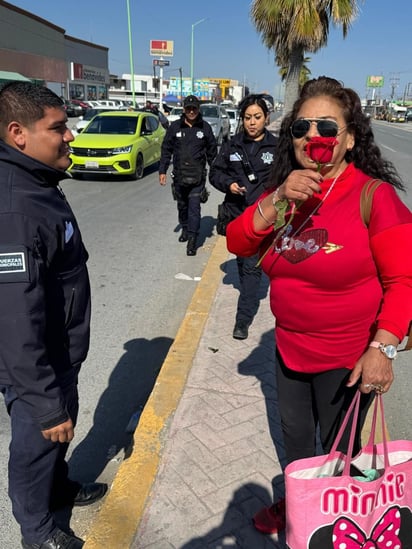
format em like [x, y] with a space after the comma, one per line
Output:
[183, 237]
[191, 246]
[241, 330]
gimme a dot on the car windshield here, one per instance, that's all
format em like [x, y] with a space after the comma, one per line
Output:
[177, 111]
[209, 112]
[232, 114]
[88, 115]
[123, 125]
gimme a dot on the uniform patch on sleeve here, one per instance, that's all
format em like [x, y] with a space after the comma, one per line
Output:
[13, 264]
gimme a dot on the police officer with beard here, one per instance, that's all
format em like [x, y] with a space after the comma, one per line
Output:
[191, 144]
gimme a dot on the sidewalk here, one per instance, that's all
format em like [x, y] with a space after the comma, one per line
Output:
[204, 458]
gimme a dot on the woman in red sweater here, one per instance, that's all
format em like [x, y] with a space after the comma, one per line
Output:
[341, 292]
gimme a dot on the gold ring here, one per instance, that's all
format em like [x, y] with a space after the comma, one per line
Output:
[378, 387]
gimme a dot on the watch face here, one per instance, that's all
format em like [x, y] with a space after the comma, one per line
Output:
[390, 351]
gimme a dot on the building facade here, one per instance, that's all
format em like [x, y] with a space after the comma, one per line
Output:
[174, 90]
[43, 53]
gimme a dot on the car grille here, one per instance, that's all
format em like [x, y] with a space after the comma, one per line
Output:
[80, 151]
[82, 168]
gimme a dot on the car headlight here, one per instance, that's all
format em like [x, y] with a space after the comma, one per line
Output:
[122, 150]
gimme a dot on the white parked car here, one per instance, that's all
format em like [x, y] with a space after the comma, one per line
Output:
[109, 103]
[88, 115]
[234, 119]
[175, 114]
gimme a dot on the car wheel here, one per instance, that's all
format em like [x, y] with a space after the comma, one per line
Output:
[138, 173]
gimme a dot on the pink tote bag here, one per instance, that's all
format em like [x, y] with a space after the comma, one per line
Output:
[329, 507]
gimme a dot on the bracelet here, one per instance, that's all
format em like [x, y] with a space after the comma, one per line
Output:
[262, 215]
[275, 196]
[279, 203]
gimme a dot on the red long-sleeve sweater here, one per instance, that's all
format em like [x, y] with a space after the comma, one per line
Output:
[336, 281]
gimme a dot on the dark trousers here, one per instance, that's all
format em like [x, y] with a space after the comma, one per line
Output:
[310, 400]
[37, 467]
[249, 280]
[188, 206]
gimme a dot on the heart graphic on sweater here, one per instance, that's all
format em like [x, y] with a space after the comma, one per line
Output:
[299, 248]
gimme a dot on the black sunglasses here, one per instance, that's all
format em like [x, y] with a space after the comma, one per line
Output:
[326, 128]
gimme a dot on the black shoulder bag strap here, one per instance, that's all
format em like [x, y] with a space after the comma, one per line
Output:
[366, 207]
[247, 166]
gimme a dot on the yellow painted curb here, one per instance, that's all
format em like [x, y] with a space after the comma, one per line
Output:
[121, 513]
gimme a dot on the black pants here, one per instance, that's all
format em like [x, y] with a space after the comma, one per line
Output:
[188, 206]
[37, 467]
[249, 279]
[310, 400]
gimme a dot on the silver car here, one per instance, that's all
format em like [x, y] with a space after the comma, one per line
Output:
[218, 118]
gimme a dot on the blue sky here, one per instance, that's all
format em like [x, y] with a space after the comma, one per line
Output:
[226, 45]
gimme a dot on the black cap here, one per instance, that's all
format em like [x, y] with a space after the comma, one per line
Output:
[191, 101]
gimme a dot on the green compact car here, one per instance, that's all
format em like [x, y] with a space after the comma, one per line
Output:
[117, 143]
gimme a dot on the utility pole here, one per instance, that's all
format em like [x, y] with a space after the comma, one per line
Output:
[181, 85]
[394, 80]
[129, 27]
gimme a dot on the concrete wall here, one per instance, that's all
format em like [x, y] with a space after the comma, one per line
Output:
[42, 51]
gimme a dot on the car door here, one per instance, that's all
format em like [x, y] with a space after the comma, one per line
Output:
[158, 133]
[151, 137]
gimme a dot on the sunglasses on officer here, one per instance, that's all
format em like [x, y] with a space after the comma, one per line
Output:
[325, 127]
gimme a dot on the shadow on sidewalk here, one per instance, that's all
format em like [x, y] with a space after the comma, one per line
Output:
[233, 532]
[129, 387]
[207, 224]
[261, 364]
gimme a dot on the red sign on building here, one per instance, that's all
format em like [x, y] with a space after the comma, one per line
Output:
[161, 47]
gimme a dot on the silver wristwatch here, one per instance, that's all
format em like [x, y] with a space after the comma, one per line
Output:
[390, 351]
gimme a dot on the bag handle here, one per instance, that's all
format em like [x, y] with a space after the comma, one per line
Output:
[366, 199]
[354, 408]
[371, 442]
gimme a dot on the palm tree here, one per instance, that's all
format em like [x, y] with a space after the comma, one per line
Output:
[304, 72]
[293, 27]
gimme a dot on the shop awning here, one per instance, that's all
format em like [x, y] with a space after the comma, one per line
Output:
[7, 76]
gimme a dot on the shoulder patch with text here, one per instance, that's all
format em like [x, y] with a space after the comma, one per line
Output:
[13, 264]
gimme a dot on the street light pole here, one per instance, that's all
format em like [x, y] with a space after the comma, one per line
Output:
[192, 80]
[130, 53]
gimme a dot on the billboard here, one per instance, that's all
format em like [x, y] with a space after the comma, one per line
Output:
[161, 47]
[374, 82]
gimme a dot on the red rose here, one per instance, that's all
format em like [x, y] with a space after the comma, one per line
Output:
[320, 149]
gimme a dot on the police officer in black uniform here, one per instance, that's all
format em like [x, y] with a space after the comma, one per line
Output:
[191, 143]
[44, 312]
[241, 170]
